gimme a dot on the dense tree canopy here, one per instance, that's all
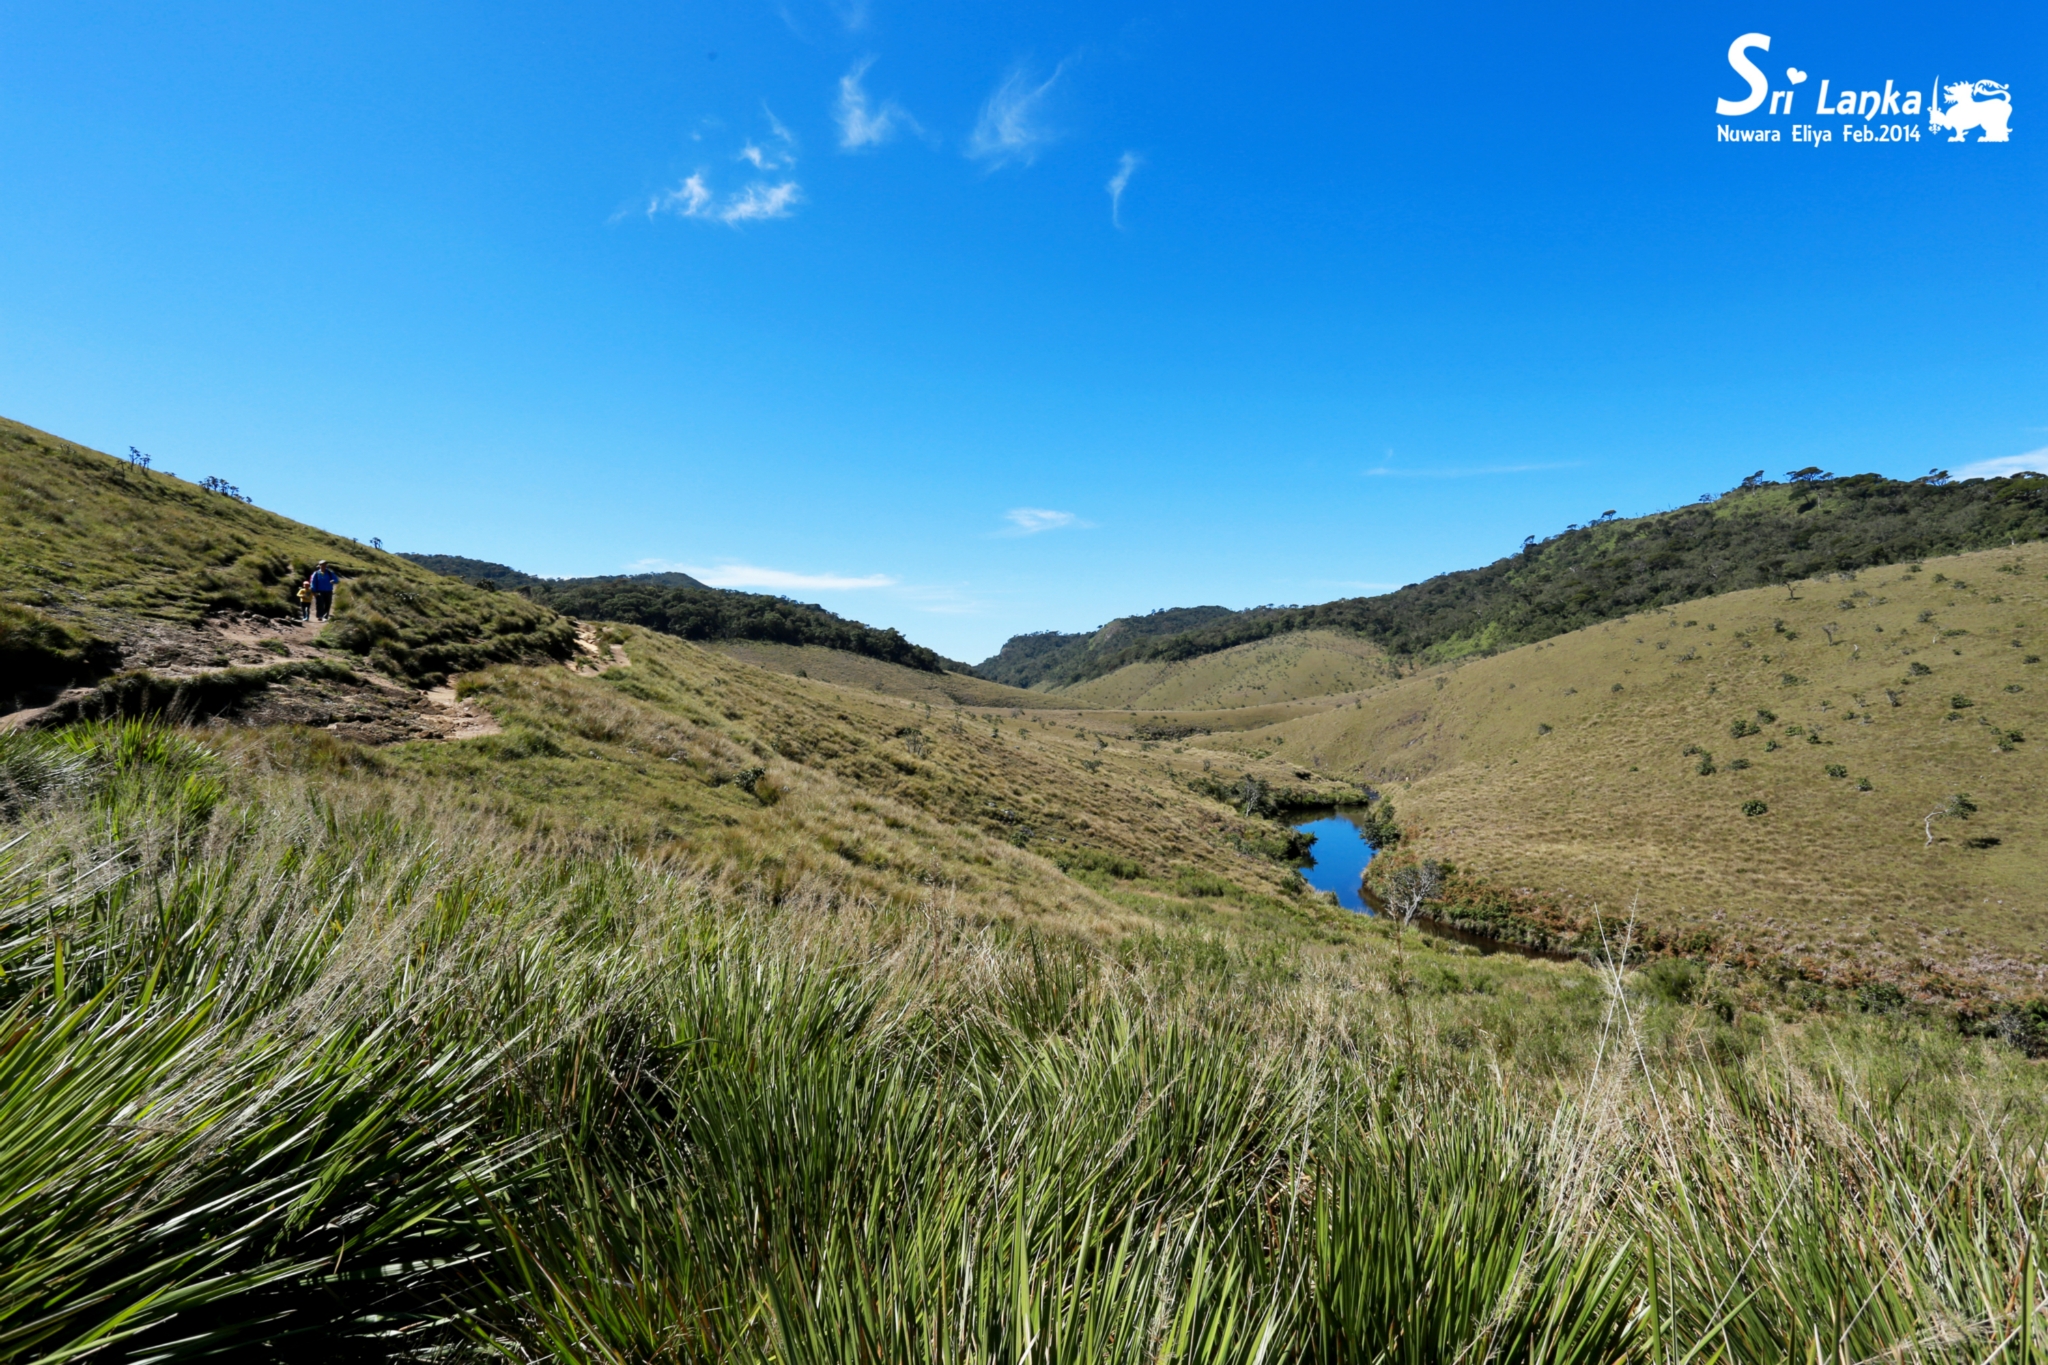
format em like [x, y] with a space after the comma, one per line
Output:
[678, 604]
[715, 614]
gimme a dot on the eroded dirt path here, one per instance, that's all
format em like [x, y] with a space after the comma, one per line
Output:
[372, 709]
[592, 658]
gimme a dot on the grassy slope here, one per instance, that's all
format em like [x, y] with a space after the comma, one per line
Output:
[1287, 668]
[322, 1067]
[878, 796]
[879, 675]
[98, 545]
[988, 809]
[1049, 658]
[1607, 808]
[1561, 814]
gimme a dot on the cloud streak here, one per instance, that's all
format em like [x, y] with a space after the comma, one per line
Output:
[1127, 163]
[2036, 460]
[861, 122]
[760, 200]
[1012, 124]
[696, 198]
[1030, 521]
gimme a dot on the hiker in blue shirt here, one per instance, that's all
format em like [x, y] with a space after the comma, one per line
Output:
[322, 583]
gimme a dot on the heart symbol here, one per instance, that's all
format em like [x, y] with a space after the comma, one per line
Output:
[1794, 74]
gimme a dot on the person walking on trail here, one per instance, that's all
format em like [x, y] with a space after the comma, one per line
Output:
[305, 596]
[322, 583]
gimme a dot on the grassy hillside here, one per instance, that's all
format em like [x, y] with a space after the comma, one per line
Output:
[1569, 770]
[326, 1067]
[128, 565]
[1286, 668]
[770, 781]
[1759, 533]
[944, 688]
[683, 752]
[1050, 658]
[695, 1008]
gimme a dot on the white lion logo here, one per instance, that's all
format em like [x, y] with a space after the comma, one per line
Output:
[1965, 111]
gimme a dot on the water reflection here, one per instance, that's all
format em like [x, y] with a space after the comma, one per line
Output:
[1337, 863]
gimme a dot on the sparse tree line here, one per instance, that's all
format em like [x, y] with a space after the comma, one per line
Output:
[1758, 534]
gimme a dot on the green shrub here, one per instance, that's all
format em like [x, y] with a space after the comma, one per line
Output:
[1754, 807]
[1672, 979]
[1189, 881]
[1075, 858]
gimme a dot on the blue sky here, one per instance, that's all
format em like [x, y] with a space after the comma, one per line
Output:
[976, 319]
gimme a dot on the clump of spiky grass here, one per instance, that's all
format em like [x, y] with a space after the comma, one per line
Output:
[307, 1067]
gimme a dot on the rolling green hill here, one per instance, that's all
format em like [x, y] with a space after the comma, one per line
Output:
[1300, 664]
[1050, 658]
[105, 565]
[946, 687]
[1757, 534]
[763, 1002]
[172, 599]
[1603, 767]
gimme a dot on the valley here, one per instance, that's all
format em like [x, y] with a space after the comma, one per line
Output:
[470, 977]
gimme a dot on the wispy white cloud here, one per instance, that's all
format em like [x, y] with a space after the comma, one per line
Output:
[1127, 163]
[687, 200]
[1475, 472]
[695, 199]
[852, 14]
[1029, 521]
[731, 575]
[780, 152]
[760, 200]
[2006, 464]
[861, 122]
[1012, 123]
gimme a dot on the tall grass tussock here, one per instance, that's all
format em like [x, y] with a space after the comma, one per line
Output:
[298, 1066]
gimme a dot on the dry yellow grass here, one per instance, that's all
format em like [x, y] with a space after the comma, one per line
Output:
[1606, 809]
[878, 675]
[878, 797]
[1315, 663]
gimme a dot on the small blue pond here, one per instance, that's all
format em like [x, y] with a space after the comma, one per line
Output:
[1337, 862]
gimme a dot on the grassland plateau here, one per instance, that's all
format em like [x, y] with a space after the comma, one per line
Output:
[467, 978]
